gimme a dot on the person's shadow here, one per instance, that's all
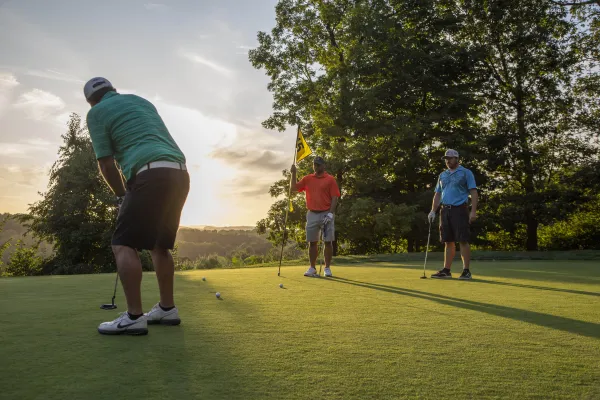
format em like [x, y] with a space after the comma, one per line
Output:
[589, 329]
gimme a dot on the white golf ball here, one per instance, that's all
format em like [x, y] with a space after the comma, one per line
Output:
[203, 278]
[218, 295]
[281, 285]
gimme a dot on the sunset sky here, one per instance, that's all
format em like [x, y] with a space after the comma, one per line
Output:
[189, 57]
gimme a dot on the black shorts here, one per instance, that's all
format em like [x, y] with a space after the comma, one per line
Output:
[150, 213]
[454, 224]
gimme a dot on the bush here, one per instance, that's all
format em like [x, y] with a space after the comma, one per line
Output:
[24, 261]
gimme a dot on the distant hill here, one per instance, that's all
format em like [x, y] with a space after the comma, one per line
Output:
[219, 228]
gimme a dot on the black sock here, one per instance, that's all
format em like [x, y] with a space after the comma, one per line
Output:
[446, 269]
[133, 317]
[466, 269]
[165, 308]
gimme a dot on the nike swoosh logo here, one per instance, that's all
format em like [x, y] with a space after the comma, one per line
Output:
[126, 326]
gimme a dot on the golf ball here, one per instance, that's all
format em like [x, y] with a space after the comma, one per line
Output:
[218, 295]
[281, 285]
[203, 278]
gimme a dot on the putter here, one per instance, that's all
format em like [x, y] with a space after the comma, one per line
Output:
[323, 248]
[112, 306]
[426, 251]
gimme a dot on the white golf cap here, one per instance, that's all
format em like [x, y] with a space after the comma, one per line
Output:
[450, 153]
[95, 84]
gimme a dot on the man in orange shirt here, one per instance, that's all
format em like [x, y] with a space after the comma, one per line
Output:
[322, 194]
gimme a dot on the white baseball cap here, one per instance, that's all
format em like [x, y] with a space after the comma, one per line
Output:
[95, 84]
[450, 153]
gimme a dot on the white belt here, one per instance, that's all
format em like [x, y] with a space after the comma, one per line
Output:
[162, 164]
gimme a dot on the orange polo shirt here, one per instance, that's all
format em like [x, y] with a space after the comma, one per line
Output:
[319, 191]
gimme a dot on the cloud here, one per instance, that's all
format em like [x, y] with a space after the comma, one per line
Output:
[156, 6]
[22, 176]
[25, 149]
[267, 160]
[20, 186]
[54, 75]
[39, 104]
[7, 84]
[197, 59]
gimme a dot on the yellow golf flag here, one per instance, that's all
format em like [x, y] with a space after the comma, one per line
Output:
[291, 206]
[302, 149]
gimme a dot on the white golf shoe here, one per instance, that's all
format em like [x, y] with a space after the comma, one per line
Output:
[311, 272]
[124, 325]
[328, 273]
[158, 316]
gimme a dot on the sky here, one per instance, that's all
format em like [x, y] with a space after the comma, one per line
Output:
[188, 57]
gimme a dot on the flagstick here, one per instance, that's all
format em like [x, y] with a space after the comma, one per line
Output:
[287, 208]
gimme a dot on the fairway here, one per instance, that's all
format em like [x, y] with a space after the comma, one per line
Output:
[520, 330]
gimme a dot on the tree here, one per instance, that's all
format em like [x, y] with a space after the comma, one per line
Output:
[78, 212]
[24, 261]
[529, 119]
[380, 88]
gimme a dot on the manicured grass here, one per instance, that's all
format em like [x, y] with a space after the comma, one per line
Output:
[521, 330]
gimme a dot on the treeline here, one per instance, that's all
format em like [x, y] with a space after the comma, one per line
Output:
[382, 88]
[22, 255]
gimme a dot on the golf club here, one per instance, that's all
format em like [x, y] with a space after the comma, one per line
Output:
[323, 233]
[112, 306]
[426, 251]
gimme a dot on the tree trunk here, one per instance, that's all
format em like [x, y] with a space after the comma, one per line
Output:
[530, 219]
[410, 245]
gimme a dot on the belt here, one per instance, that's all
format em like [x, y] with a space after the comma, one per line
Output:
[315, 211]
[449, 206]
[162, 164]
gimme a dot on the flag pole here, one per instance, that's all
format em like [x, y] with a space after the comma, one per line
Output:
[289, 200]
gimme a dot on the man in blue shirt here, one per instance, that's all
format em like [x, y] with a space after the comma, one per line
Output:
[452, 194]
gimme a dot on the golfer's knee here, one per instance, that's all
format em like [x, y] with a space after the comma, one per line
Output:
[120, 251]
[160, 253]
[450, 245]
[312, 244]
[328, 244]
[464, 245]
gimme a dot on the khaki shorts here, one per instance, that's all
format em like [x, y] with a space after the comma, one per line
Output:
[314, 223]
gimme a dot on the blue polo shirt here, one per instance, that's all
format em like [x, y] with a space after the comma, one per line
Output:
[129, 128]
[455, 185]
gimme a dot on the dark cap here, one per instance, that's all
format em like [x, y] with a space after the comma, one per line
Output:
[319, 160]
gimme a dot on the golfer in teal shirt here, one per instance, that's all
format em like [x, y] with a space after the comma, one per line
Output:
[128, 130]
[452, 195]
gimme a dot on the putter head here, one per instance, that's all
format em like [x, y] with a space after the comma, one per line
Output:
[108, 306]
[423, 277]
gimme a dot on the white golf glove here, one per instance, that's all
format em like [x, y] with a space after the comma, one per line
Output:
[431, 217]
[328, 218]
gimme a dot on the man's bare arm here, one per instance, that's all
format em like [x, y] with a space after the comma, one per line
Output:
[437, 199]
[334, 201]
[112, 175]
[474, 202]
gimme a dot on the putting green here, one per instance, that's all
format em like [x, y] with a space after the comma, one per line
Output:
[520, 330]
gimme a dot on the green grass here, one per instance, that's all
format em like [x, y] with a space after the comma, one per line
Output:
[522, 330]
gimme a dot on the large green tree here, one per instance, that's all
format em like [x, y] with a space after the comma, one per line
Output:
[531, 115]
[78, 211]
[380, 87]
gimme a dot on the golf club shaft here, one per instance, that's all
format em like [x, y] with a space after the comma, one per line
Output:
[115, 291]
[427, 249]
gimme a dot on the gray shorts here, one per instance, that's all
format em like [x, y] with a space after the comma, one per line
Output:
[314, 223]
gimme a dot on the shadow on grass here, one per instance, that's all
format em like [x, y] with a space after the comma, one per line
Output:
[588, 329]
[519, 285]
[587, 273]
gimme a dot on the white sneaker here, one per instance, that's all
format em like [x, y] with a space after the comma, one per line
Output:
[124, 325]
[158, 316]
[311, 272]
[328, 272]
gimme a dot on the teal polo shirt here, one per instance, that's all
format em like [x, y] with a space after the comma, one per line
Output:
[455, 186]
[129, 128]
